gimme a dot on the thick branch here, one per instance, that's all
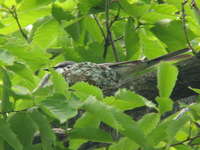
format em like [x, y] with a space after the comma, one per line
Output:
[189, 76]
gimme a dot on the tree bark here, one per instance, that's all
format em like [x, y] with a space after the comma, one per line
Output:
[189, 76]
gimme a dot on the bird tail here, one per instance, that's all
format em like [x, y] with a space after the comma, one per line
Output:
[130, 69]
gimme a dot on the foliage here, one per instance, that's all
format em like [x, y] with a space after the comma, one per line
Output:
[37, 34]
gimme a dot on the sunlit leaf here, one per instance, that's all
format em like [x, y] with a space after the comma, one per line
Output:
[24, 127]
[136, 9]
[59, 83]
[134, 99]
[167, 76]
[91, 134]
[87, 120]
[131, 40]
[124, 144]
[149, 122]
[6, 92]
[115, 118]
[84, 90]
[23, 71]
[60, 108]
[165, 104]
[151, 45]
[92, 27]
[172, 34]
[175, 125]
[47, 135]
[9, 136]
[6, 58]
[47, 34]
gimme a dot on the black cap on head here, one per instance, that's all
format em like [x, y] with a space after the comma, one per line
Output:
[63, 64]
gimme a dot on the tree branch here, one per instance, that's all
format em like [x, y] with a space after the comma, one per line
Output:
[185, 28]
[108, 39]
[14, 14]
[189, 73]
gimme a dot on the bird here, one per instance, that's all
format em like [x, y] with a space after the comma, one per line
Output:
[109, 76]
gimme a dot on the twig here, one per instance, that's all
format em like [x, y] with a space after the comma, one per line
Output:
[3, 113]
[190, 130]
[113, 47]
[102, 31]
[185, 28]
[108, 39]
[107, 28]
[13, 12]
[190, 140]
[116, 16]
[100, 27]
[119, 38]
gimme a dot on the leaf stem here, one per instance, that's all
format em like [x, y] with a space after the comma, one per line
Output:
[14, 14]
[185, 28]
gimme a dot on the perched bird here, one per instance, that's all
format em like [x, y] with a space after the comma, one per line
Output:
[108, 76]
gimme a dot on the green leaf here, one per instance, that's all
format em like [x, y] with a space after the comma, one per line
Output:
[183, 147]
[91, 134]
[176, 3]
[159, 134]
[159, 13]
[83, 90]
[116, 119]
[133, 99]
[86, 5]
[167, 76]
[23, 51]
[59, 83]
[175, 125]
[87, 120]
[24, 128]
[132, 41]
[6, 58]
[47, 34]
[58, 13]
[101, 110]
[75, 28]
[23, 71]
[27, 5]
[6, 105]
[172, 34]
[91, 52]
[151, 45]
[75, 143]
[120, 104]
[149, 122]
[69, 5]
[22, 104]
[93, 29]
[196, 14]
[9, 3]
[136, 9]
[9, 136]
[25, 18]
[124, 144]
[195, 90]
[60, 108]
[165, 104]
[195, 111]
[47, 135]
[154, 17]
